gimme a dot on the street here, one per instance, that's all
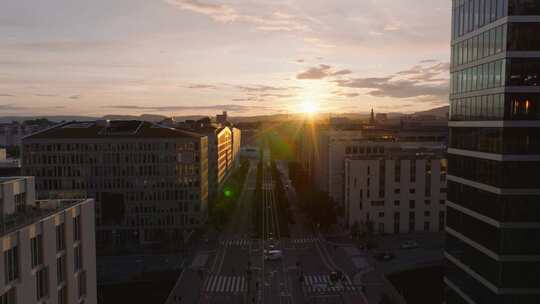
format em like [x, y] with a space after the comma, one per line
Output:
[232, 268]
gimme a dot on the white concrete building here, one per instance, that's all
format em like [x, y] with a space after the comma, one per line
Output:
[322, 151]
[48, 247]
[397, 189]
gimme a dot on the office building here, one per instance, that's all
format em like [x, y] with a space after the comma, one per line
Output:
[150, 182]
[48, 247]
[395, 188]
[322, 151]
[493, 216]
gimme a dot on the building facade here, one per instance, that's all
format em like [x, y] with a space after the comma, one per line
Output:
[150, 182]
[493, 216]
[48, 247]
[393, 191]
[322, 151]
[236, 144]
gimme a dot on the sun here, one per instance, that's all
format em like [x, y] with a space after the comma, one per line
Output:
[309, 107]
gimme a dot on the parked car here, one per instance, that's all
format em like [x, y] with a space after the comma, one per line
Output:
[273, 255]
[409, 245]
[384, 256]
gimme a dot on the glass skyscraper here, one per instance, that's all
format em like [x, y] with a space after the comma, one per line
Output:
[493, 216]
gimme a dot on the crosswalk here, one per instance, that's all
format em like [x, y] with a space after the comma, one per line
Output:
[322, 284]
[226, 284]
[236, 242]
[303, 240]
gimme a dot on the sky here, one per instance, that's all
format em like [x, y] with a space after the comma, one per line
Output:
[249, 57]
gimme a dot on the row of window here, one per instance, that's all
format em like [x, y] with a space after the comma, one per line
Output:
[397, 203]
[519, 106]
[114, 147]
[468, 15]
[483, 45]
[510, 72]
[503, 208]
[507, 174]
[504, 241]
[485, 107]
[478, 292]
[508, 274]
[496, 140]
[485, 76]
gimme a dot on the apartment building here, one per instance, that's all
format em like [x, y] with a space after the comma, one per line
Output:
[150, 182]
[395, 188]
[48, 247]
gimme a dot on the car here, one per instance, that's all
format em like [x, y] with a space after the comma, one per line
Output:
[273, 255]
[384, 256]
[409, 245]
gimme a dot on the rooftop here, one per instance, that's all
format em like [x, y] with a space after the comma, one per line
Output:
[111, 129]
[32, 214]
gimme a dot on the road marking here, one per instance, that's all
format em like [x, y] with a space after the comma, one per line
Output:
[304, 240]
[323, 284]
[236, 242]
[226, 284]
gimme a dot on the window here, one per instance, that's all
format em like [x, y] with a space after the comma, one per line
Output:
[412, 191]
[11, 264]
[60, 237]
[442, 202]
[62, 295]
[441, 220]
[426, 226]
[412, 204]
[77, 228]
[77, 258]
[396, 203]
[411, 221]
[397, 191]
[42, 283]
[81, 284]
[9, 297]
[36, 249]
[381, 214]
[427, 213]
[61, 269]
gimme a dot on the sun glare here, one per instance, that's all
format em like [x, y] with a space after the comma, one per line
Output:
[309, 107]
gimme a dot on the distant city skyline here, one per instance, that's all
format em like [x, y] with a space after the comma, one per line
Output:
[185, 57]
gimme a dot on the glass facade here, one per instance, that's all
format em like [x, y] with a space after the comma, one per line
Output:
[493, 220]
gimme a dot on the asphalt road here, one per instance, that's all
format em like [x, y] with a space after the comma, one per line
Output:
[236, 271]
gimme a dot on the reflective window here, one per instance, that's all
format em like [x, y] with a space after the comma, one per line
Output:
[524, 36]
[507, 174]
[523, 7]
[480, 46]
[485, 76]
[523, 72]
[507, 208]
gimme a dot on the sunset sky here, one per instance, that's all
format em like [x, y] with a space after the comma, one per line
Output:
[202, 56]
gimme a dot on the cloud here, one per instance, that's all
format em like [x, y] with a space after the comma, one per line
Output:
[74, 97]
[320, 72]
[276, 21]
[202, 86]
[45, 95]
[424, 83]
[300, 60]
[6, 95]
[342, 72]
[225, 107]
[265, 88]
[11, 107]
